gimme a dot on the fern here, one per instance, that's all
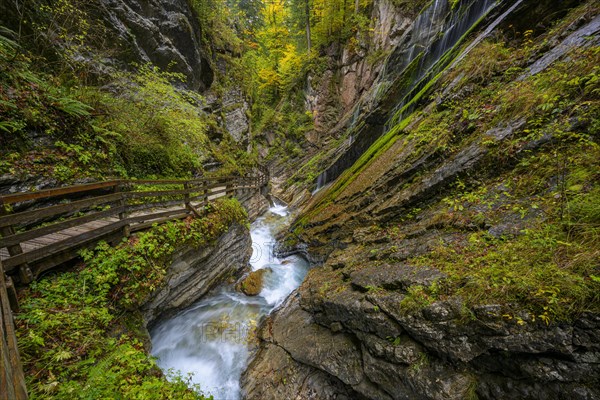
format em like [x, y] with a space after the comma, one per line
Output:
[73, 107]
[8, 47]
[11, 126]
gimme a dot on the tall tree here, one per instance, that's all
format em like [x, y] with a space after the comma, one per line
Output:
[307, 15]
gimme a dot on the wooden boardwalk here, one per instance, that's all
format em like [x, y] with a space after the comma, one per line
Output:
[52, 225]
[69, 233]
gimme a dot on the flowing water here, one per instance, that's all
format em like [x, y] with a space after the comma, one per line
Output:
[210, 338]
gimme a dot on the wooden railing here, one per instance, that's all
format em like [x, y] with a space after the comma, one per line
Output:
[69, 218]
[12, 379]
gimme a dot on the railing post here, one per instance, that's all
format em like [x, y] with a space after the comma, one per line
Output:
[12, 378]
[120, 188]
[12, 294]
[25, 274]
[187, 202]
[186, 187]
[229, 187]
[205, 192]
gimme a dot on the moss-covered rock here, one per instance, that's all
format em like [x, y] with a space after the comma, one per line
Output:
[253, 283]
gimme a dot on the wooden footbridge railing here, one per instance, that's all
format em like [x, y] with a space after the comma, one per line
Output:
[43, 229]
[12, 380]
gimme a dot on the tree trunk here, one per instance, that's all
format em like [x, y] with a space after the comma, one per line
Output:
[307, 11]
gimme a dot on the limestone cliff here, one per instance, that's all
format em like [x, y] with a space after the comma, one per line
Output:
[193, 272]
[112, 34]
[166, 34]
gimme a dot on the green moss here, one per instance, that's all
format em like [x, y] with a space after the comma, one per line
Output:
[541, 182]
[379, 147]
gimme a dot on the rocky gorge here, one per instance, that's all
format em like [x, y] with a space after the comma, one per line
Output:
[193, 272]
[440, 159]
[405, 302]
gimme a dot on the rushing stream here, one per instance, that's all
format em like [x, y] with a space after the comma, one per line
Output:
[210, 338]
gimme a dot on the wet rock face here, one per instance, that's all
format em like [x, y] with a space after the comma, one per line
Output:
[165, 33]
[194, 272]
[255, 203]
[235, 108]
[291, 363]
[343, 342]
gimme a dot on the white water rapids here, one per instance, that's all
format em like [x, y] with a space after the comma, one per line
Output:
[210, 338]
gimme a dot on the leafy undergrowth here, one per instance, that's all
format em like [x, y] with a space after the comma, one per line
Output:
[131, 124]
[535, 231]
[550, 269]
[80, 332]
[551, 265]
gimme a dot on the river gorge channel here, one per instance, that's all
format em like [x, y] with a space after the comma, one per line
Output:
[211, 339]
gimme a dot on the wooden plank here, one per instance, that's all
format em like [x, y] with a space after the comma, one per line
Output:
[21, 197]
[156, 193]
[35, 233]
[196, 198]
[76, 230]
[96, 224]
[215, 185]
[43, 241]
[38, 254]
[149, 224]
[158, 204]
[157, 181]
[35, 215]
[191, 208]
[147, 217]
[175, 181]
[215, 194]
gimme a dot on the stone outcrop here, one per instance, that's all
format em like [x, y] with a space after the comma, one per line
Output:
[252, 284]
[352, 70]
[234, 111]
[279, 371]
[194, 272]
[121, 32]
[254, 202]
[165, 33]
[356, 341]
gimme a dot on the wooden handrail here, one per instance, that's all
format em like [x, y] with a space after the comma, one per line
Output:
[52, 211]
[22, 197]
[69, 190]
